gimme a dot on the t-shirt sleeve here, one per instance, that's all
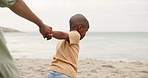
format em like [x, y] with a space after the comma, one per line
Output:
[7, 3]
[74, 37]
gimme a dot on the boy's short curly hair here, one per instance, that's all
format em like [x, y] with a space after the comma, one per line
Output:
[77, 20]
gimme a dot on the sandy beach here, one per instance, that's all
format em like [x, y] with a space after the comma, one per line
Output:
[88, 68]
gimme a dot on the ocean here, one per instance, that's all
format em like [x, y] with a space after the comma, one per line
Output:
[112, 46]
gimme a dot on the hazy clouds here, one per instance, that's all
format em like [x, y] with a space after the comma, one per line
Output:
[104, 15]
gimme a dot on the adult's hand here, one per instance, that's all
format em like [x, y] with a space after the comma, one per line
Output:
[46, 31]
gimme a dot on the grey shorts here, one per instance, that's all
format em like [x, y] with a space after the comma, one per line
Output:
[7, 3]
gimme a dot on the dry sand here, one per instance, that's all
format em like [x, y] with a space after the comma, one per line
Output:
[89, 68]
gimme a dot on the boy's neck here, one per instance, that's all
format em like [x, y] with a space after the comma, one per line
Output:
[73, 30]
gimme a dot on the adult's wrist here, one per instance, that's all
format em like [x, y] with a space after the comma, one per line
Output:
[40, 24]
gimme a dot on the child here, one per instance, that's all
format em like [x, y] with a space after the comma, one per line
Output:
[64, 64]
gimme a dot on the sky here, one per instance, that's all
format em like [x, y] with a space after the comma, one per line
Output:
[103, 15]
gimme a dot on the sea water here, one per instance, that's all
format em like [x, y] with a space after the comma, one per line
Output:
[114, 46]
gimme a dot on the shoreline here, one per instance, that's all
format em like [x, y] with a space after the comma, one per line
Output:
[87, 68]
[9, 30]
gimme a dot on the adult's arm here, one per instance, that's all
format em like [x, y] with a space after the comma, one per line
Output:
[21, 9]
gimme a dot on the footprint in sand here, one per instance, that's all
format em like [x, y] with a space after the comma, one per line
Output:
[108, 66]
[93, 71]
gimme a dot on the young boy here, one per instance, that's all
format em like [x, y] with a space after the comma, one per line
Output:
[64, 64]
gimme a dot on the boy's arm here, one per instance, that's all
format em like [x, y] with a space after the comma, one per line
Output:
[60, 35]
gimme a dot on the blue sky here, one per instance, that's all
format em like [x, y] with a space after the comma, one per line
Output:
[103, 15]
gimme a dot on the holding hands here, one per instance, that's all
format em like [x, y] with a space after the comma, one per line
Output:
[46, 31]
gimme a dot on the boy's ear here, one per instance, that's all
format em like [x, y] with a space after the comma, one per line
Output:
[80, 27]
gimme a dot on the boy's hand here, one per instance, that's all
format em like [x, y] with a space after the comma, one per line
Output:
[46, 31]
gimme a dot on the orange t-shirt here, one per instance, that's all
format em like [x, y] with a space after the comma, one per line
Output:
[65, 60]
